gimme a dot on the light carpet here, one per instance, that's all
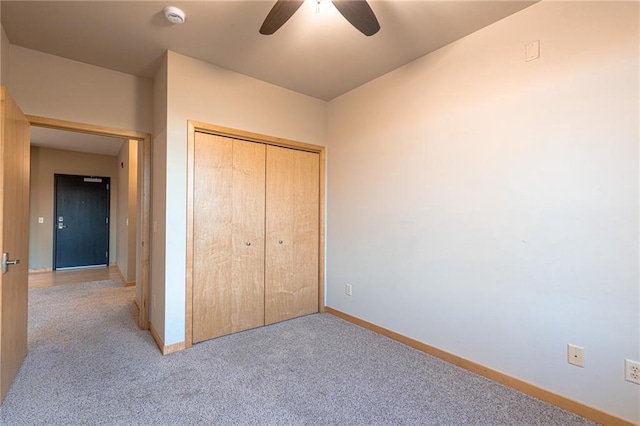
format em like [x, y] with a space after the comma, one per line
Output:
[88, 363]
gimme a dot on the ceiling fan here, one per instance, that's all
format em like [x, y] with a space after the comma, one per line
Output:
[357, 12]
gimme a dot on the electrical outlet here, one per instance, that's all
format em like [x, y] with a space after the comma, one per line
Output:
[347, 289]
[575, 355]
[632, 371]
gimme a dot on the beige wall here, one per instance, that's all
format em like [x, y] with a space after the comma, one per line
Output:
[158, 200]
[51, 86]
[489, 206]
[132, 231]
[122, 240]
[44, 164]
[127, 163]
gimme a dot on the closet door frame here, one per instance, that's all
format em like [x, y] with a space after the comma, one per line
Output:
[193, 128]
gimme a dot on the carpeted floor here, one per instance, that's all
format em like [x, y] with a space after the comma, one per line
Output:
[89, 364]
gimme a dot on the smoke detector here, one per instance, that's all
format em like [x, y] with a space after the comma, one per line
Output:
[174, 15]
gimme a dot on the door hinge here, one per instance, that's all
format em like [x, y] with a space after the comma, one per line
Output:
[107, 187]
[106, 254]
[106, 220]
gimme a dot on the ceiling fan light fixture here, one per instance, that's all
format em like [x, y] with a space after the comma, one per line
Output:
[174, 15]
[357, 12]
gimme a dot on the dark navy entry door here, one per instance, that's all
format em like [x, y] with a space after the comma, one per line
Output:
[81, 221]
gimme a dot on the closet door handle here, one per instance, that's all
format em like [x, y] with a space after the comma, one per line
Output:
[280, 242]
[248, 243]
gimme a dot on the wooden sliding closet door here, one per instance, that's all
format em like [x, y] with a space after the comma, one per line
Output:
[228, 228]
[292, 232]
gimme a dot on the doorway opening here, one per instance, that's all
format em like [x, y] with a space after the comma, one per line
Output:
[139, 259]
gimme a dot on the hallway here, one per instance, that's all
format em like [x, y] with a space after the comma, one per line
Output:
[74, 276]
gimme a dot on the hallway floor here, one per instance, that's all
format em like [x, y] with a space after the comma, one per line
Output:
[73, 276]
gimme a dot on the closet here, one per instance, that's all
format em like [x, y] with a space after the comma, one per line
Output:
[255, 255]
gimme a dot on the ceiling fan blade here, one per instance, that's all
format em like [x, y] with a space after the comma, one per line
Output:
[279, 14]
[359, 14]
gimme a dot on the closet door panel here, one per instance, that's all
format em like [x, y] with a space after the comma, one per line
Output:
[228, 263]
[292, 228]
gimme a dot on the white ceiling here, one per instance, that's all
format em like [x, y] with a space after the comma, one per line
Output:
[319, 55]
[74, 141]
